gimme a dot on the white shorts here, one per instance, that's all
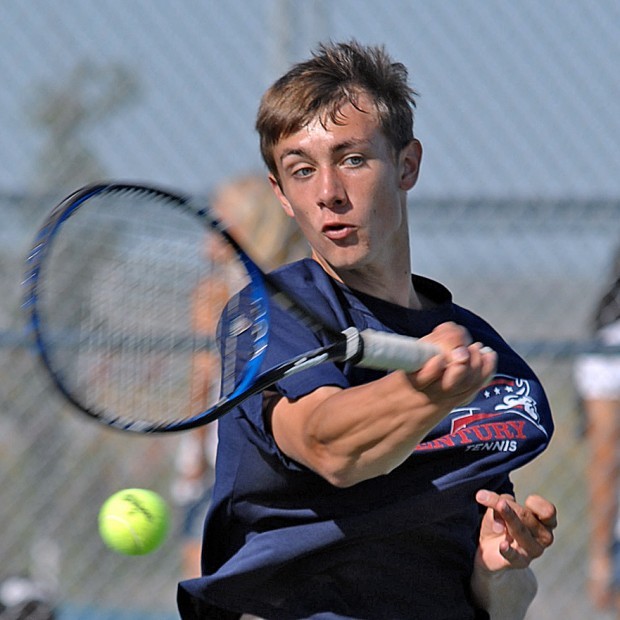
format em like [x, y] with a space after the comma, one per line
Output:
[598, 376]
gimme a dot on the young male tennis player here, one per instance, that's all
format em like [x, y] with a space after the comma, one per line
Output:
[353, 493]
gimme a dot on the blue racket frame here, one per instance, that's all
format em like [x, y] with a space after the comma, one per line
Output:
[256, 292]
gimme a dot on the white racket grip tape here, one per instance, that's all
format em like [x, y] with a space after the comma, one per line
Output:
[387, 351]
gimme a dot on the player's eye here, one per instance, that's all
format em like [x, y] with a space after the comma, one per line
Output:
[354, 160]
[302, 171]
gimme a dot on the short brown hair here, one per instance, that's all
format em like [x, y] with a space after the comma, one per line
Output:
[336, 74]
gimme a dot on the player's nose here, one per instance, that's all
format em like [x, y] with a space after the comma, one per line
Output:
[331, 191]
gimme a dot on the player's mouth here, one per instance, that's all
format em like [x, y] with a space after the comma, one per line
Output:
[337, 231]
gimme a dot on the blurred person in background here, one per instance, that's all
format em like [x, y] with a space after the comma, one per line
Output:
[597, 380]
[249, 207]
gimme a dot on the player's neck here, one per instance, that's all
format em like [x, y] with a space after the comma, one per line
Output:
[395, 286]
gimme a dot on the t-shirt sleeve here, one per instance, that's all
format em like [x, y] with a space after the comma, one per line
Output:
[290, 338]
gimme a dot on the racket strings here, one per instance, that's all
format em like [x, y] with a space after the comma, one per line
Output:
[131, 315]
[125, 341]
[126, 291]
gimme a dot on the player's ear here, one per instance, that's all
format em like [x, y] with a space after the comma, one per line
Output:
[277, 190]
[410, 159]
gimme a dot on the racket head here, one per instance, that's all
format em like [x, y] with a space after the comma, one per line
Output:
[125, 285]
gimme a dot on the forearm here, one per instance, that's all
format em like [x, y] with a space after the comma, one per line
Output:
[355, 434]
[505, 594]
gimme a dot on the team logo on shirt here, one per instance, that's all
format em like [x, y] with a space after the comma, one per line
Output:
[496, 420]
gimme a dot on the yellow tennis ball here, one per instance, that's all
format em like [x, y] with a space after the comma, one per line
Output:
[134, 521]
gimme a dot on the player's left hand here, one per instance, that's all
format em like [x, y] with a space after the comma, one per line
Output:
[511, 534]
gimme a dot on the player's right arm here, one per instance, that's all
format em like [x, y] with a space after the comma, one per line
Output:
[354, 434]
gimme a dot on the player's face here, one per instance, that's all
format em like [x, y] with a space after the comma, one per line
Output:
[347, 190]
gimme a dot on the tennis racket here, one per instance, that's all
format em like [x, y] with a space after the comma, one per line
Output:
[125, 287]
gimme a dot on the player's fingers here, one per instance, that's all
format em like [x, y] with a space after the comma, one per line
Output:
[449, 335]
[455, 376]
[529, 534]
[514, 555]
[544, 510]
[538, 516]
[430, 373]
[462, 379]
[483, 359]
[486, 498]
[451, 339]
[515, 519]
[488, 363]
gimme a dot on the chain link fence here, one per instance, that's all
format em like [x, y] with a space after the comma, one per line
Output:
[517, 211]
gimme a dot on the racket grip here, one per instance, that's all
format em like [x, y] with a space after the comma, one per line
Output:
[387, 351]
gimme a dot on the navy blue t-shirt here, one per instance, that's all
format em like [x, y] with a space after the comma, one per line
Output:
[281, 543]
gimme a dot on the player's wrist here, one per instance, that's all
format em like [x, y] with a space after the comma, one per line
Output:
[504, 594]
